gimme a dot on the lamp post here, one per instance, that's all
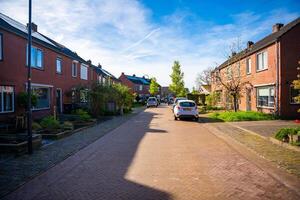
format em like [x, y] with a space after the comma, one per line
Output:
[29, 112]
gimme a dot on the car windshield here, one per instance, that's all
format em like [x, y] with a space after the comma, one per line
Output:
[151, 99]
[187, 104]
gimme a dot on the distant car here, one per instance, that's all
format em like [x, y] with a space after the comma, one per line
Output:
[170, 100]
[152, 102]
[186, 109]
[176, 100]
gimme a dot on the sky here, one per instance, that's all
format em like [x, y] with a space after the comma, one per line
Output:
[145, 37]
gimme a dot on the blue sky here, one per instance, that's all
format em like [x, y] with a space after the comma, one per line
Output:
[144, 37]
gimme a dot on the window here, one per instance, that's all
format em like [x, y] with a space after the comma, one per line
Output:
[262, 61]
[6, 99]
[43, 97]
[141, 87]
[294, 93]
[1, 46]
[58, 65]
[248, 66]
[265, 97]
[84, 72]
[74, 69]
[36, 57]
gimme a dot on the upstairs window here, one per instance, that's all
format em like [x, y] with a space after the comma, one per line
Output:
[58, 65]
[229, 73]
[262, 61]
[74, 69]
[1, 46]
[84, 72]
[36, 57]
[141, 87]
[248, 66]
[6, 99]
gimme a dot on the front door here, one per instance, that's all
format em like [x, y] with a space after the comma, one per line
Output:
[248, 100]
[58, 100]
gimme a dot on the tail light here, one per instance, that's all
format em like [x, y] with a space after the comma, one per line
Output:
[178, 107]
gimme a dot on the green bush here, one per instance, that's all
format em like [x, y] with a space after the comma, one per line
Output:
[22, 99]
[83, 115]
[49, 123]
[36, 126]
[68, 125]
[241, 116]
[286, 135]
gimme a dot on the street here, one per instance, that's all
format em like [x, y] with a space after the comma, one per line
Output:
[152, 156]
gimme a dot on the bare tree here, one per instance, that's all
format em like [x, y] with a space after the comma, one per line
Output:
[204, 77]
[230, 76]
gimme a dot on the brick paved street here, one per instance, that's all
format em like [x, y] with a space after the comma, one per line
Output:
[154, 157]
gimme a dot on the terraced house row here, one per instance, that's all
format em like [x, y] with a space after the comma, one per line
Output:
[269, 66]
[60, 77]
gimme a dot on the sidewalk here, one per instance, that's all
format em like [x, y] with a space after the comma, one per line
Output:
[287, 159]
[16, 171]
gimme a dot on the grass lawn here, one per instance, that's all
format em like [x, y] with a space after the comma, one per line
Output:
[241, 116]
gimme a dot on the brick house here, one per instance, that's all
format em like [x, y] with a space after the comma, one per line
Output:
[57, 72]
[269, 66]
[138, 85]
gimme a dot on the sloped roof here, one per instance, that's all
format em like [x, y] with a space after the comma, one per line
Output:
[14, 26]
[138, 80]
[266, 41]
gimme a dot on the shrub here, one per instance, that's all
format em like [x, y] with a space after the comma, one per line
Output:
[83, 115]
[241, 116]
[68, 125]
[35, 126]
[286, 134]
[49, 123]
[22, 99]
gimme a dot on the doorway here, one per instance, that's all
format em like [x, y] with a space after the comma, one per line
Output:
[248, 100]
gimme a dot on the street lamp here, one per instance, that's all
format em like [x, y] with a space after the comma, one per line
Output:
[29, 112]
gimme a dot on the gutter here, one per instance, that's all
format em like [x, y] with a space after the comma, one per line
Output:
[277, 107]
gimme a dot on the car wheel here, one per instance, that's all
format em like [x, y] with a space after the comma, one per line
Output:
[175, 118]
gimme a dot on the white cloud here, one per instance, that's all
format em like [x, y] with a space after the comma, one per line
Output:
[121, 35]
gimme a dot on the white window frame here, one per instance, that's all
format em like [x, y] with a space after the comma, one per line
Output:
[82, 67]
[264, 60]
[42, 58]
[1, 46]
[74, 73]
[257, 97]
[60, 60]
[248, 66]
[140, 87]
[2, 100]
[49, 98]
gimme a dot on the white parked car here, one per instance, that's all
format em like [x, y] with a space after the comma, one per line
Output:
[186, 109]
[152, 102]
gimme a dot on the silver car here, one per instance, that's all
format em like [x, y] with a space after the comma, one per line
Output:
[152, 102]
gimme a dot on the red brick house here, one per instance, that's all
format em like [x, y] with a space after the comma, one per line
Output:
[270, 66]
[138, 85]
[57, 72]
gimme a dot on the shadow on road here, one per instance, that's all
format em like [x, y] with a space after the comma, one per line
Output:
[101, 173]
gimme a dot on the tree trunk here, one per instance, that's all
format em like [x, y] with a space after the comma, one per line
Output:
[122, 110]
[235, 103]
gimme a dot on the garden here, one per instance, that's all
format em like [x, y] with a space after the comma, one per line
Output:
[104, 101]
[289, 135]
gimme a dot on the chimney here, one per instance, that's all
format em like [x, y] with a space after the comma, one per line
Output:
[276, 27]
[249, 44]
[100, 66]
[233, 53]
[122, 73]
[143, 77]
[89, 62]
[33, 27]
[133, 75]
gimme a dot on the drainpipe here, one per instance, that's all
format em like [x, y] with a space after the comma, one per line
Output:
[277, 111]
